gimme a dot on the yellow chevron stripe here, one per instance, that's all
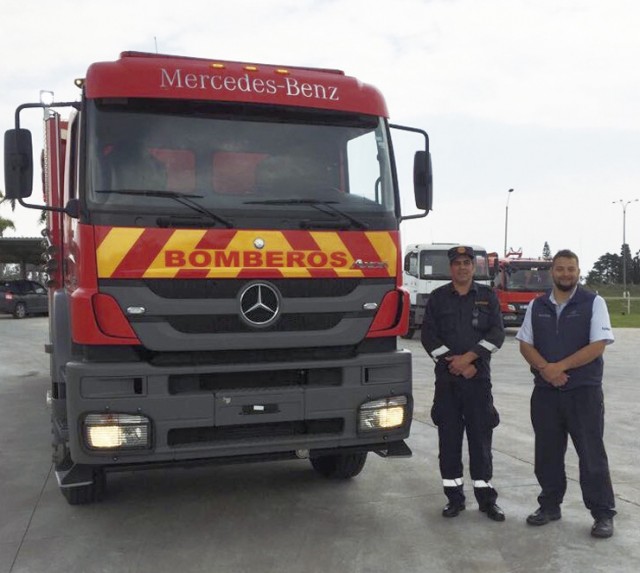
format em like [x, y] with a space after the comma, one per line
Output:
[329, 242]
[114, 248]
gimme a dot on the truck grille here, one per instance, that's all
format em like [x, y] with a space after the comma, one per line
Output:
[209, 382]
[273, 430]
[230, 288]
[189, 324]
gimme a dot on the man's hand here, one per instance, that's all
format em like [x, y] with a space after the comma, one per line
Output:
[470, 371]
[554, 374]
[459, 363]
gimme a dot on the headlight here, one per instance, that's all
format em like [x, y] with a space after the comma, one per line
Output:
[382, 414]
[117, 431]
[511, 308]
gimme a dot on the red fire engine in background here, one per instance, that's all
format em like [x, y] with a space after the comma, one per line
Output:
[225, 267]
[517, 281]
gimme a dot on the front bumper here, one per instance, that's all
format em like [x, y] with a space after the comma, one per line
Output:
[306, 406]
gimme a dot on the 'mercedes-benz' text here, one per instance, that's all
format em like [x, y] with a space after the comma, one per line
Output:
[287, 86]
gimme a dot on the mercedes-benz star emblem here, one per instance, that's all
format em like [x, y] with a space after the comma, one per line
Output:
[259, 304]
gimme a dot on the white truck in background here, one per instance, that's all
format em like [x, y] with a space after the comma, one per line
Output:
[426, 267]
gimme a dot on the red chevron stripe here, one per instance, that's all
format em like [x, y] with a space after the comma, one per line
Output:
[142, 253]
[192, 274]
[323, 273]
[100, 234]
[216, 240]
[260, 274]
[359, 246]
[301, 240]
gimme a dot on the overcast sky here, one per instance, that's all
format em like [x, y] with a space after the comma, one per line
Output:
[536, 95]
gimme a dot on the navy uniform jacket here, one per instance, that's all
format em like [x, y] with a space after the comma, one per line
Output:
[455, 324]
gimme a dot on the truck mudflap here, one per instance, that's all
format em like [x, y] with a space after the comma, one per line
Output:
[395, 450]
[75, 475]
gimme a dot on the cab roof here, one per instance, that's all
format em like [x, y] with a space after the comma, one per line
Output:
[148, 75]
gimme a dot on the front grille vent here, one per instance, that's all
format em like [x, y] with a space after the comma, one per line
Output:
[263, 432]
[253, 356]
[210, 382]
[230, 288]
[189, 324]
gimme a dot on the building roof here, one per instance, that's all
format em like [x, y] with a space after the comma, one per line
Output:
[22, 250]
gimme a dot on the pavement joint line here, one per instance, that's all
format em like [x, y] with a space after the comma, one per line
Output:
[33, 511]
[630, 501]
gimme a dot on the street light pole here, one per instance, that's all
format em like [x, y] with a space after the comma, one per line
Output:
[625, 294]
[506, 221]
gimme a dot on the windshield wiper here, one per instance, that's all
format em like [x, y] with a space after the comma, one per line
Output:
[316, 203]
[172, 221]
[182, 198]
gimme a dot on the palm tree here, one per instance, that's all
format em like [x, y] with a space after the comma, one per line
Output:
[5, 223]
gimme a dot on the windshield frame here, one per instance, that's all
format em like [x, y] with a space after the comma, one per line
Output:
[515, 267]
[444, 266]
[242, 213]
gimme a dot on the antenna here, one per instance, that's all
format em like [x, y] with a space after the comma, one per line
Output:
[155, 41]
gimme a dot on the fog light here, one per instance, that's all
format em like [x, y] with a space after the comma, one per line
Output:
[382, 414]
[117, 431]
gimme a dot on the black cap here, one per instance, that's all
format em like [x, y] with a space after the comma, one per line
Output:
[460, 251]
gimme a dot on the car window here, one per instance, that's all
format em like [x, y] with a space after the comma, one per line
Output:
[17, 287]
[22, 287]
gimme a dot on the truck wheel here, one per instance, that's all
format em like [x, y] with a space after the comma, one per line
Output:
[84, 494]
[340, 466]
[409, 334]
[20, 311]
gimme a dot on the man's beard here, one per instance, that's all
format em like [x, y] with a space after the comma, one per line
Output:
[565, 288]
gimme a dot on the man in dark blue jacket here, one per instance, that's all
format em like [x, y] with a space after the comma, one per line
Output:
[462, 328]
[563, 338]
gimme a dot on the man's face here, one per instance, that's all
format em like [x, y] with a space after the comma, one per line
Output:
[565, 273]
[462, 269]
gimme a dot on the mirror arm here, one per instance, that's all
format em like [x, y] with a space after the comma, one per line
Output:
[65, 210]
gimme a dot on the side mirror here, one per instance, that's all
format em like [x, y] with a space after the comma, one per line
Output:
[18, 164]
[423, 180]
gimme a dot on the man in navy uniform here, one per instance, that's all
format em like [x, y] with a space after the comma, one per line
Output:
[462, 328]
[563, 338]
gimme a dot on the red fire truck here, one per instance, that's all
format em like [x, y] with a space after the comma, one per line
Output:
[517, 282]
[225, 267]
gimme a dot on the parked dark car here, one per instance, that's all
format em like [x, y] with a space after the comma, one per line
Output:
[23, 297]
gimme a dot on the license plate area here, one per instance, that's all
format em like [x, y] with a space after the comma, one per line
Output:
[239, 407]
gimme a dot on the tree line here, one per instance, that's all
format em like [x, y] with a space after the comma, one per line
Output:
[609, 268]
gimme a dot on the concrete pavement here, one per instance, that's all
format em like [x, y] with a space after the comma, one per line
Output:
[282, 517]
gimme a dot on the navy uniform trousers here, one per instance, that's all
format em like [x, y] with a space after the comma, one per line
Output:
[579, 413]
[461, 405]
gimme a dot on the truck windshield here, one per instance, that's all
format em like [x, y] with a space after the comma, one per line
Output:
[250, 165]
[435, 265]
[528, 279]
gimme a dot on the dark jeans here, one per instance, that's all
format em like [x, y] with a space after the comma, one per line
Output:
[579, 413]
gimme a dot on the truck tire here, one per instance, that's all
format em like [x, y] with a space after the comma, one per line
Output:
[20, 310]
[340, 466]
[409, 334]
[84, 494]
